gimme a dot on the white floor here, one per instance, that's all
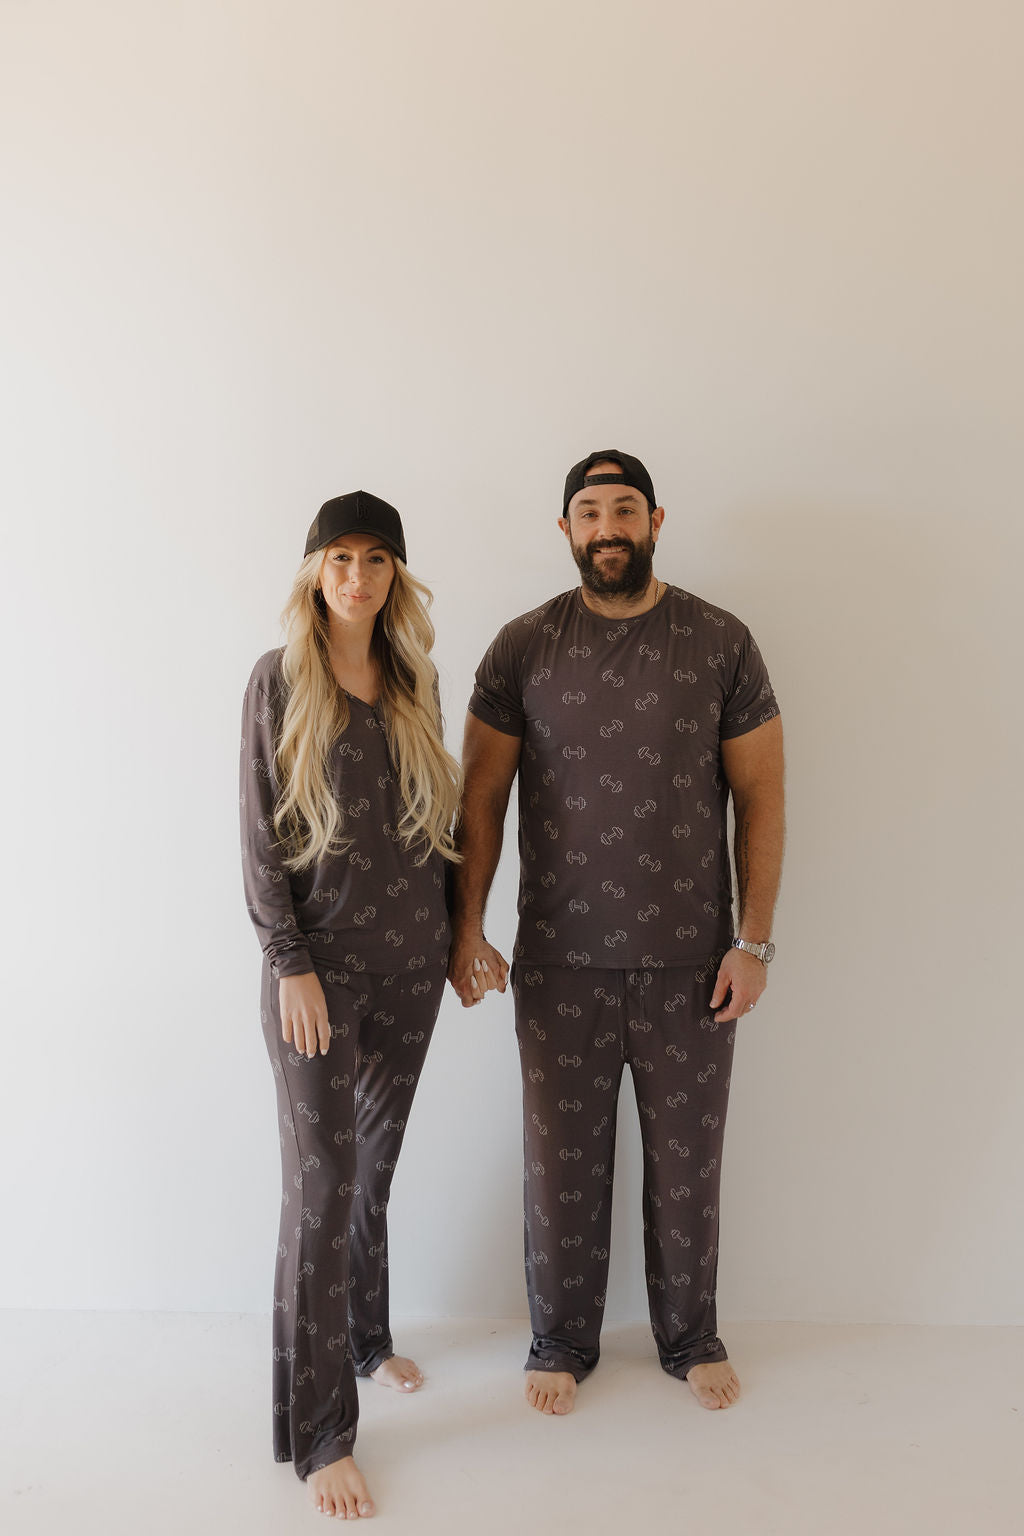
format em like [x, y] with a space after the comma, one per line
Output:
[129, 1422]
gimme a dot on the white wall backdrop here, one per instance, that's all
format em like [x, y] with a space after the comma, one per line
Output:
[261, 253]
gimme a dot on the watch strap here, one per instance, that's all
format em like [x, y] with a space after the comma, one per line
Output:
[763, 952]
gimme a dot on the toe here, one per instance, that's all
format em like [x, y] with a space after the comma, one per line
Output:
[366, 1509]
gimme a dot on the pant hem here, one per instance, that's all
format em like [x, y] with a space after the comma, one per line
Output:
[575, 1368]
[673, 1366]
[386, 1352]
[325, 1455]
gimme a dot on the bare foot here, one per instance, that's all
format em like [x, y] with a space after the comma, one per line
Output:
[399, 1373]
[714, 1384]
[339, 1489]
[551, 1391]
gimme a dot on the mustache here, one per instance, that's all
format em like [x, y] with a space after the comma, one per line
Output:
[629, 577]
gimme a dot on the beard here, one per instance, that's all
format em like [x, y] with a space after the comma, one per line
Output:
[629, 577]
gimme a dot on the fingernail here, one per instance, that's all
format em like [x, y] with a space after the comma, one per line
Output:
[476, 965]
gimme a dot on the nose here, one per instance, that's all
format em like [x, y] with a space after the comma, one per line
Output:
[608, 530]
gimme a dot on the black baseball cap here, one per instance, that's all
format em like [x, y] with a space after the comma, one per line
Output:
[633, 474]
[356, 512]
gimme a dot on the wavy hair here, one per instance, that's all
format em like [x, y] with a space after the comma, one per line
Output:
[308, 819]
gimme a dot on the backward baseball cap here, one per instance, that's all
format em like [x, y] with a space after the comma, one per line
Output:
[634, 474]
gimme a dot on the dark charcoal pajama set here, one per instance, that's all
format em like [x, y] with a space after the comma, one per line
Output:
[625, 911]
[373, 926]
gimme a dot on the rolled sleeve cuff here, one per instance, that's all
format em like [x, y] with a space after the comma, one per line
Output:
[294, 961]
[493, 715]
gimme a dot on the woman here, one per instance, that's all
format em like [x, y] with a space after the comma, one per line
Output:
[348, 796]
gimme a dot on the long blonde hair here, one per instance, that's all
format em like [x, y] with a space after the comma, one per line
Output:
[308, 819]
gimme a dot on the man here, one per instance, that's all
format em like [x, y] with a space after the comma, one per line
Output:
[630, 710]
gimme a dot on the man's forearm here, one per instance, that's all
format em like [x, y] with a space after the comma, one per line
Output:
[478, 838]
[760, 835]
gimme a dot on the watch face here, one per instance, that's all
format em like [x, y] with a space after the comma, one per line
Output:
[769, 953]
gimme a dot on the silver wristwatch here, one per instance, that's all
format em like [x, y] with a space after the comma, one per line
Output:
[763, 952]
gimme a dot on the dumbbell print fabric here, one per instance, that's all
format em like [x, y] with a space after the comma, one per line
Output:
[342, 1120]
[372, 924]
[623, 845]
[577, 1030]
[625, 910]
[371, 907]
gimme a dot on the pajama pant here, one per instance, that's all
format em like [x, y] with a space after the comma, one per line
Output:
[577, 1029]
[342, 1119]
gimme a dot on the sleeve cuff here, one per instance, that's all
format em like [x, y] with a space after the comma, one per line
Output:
[498, 719]
[296, 962]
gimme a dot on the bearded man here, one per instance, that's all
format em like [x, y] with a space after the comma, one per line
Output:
[630, 710]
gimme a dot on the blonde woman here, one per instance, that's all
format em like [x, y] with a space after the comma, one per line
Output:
[348, 796]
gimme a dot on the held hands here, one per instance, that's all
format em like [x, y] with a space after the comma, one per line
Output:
[303, 1010]
[741, 979]
[476, 967]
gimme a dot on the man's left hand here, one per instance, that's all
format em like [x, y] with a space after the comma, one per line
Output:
[741, 980]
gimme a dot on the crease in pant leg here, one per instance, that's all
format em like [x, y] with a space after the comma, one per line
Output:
[288, 1249]
[681, 1071]
[394, 1036]
[568, 1024]
[315, 1400]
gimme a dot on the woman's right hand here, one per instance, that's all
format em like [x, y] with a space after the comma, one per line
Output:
[303, 1010]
